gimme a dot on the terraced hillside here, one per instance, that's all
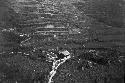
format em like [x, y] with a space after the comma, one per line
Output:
[66, 41]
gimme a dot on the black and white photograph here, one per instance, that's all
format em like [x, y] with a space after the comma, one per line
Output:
[62, 41]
